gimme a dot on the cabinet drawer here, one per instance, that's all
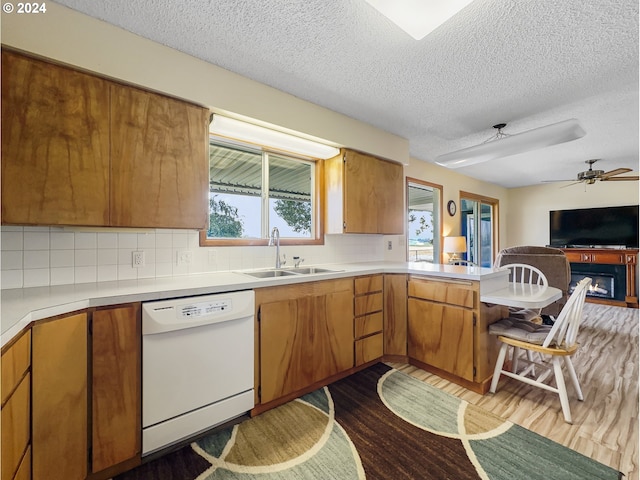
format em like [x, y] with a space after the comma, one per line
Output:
[368, 349]
[15, 362]
[368, 324]
[15, 428]
[461, 294]
[372, 283]
[368, 304]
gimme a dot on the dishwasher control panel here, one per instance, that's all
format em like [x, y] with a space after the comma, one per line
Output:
[203, 309]
[180, 313]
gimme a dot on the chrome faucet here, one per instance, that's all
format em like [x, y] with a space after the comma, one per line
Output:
[297, 261]
[274, 239]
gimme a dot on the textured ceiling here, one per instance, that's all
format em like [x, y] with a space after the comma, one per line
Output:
[527, 63]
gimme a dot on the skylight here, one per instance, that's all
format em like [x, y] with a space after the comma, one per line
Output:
[418, 17]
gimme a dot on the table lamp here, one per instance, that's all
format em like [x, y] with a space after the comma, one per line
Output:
[453, 246]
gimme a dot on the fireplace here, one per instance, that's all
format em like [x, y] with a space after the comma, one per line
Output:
[607, 281]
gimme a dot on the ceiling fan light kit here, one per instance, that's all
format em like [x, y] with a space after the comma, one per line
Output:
[503, 145]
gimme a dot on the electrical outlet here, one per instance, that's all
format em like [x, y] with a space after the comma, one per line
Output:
[184, 257]
[389, 245]
[137, 259]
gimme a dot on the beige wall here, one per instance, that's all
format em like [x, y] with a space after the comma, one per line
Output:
[528, 207]
[70, 37]
[452, 184]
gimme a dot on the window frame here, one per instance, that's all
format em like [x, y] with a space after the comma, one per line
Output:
[317, 202]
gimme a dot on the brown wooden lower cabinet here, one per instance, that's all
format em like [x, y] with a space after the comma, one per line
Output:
[115, 380]
[305, 335]
[368, 323]
[395, 316]
[15, 429]
[448, 330]
[442, 336]
[59, 399]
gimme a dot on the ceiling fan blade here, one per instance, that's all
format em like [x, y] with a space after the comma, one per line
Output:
[555, 181]
[619, 179]
[574, 183]
[617, 171]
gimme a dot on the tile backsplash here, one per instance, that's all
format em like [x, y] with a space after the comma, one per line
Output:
[41, 256]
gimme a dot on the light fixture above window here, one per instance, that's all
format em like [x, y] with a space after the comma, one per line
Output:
[255, 134]
[503, 145]
[418, 17]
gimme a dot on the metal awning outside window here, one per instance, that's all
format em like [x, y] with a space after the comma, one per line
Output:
[237, 171]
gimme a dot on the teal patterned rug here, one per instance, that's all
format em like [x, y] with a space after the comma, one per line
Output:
[376, 424]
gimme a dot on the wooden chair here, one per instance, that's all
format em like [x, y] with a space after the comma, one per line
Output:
[552, 342]
[525, 274]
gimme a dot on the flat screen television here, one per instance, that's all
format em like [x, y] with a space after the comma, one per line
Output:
[608, 227]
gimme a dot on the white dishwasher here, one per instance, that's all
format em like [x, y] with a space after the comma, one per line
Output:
[197, 365]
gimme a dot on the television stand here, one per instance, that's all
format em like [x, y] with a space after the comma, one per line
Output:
[608, 256]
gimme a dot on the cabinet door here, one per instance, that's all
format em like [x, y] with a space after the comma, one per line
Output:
[304, 340]
[373, 195]
[441, 336]
[395, 314]
[55, 144]
[286, 361]
[334, 350]
[390, 194]
[360, 201]
[59, 399]
[116, 426]
[159, 161]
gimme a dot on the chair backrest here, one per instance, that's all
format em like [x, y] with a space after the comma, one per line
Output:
[551, 261]
[526, 274]
[565, 329]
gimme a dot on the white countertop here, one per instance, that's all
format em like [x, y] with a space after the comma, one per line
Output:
[22, 306]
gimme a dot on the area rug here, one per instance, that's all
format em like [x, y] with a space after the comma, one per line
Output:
[376, 424]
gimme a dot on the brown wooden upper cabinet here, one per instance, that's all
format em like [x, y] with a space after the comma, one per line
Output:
[364, 194]
[78, 149]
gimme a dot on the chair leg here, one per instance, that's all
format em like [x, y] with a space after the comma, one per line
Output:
[574, 377]
[562, 389]
[515, 359]
[498, 369]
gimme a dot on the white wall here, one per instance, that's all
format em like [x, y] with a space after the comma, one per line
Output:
[528, 209]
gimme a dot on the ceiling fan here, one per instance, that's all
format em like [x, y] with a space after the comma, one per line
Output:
[590, 176]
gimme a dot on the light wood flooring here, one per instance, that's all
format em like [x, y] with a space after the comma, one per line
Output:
[605, 424]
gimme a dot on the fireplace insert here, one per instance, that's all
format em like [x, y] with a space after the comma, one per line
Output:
[607, 281]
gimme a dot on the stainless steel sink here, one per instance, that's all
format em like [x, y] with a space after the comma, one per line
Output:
[312, 270]
[288, 272]
[270, 273]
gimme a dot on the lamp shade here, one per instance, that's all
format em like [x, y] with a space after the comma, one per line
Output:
[455, 244]
[553, 134]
